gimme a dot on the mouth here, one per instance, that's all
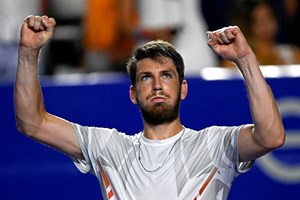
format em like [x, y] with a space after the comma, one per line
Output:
[158, 99]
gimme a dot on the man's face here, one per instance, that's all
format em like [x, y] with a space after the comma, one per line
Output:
[158, 90]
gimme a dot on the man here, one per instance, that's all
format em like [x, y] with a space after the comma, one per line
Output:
[165, 160]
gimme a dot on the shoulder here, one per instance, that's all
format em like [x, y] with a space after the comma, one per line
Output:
[101, 133]
[214, 132]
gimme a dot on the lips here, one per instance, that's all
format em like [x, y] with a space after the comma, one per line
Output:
[158, 99]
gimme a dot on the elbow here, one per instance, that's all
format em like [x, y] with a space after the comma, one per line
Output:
[280, 139]
[272, 139]
[23, 129]
[277, 140]
[20, 128]
[26, 128]
[30, 125]
[20, 125]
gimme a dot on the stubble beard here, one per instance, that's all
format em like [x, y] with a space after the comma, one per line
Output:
[160, 113]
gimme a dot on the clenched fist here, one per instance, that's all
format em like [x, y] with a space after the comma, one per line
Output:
[36, 31]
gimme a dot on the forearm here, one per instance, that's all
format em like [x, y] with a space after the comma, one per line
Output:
[268, 128]
[29, 106]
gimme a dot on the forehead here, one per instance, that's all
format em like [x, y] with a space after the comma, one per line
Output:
[160, 64]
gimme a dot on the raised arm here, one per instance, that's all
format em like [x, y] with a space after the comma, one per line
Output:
[31, 116]
[268, 132]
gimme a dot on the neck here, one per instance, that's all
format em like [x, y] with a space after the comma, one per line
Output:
[162, 131]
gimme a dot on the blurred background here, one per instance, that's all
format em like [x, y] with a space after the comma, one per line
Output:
[88, 54]
[99, 35]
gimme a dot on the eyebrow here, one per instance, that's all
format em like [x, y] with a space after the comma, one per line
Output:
[168, 71]
[161, 72]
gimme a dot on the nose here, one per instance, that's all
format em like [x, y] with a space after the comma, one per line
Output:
[157, 85]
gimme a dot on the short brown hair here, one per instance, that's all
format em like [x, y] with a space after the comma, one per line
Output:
[155, 50]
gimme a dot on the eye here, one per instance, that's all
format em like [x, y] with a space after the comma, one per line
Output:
[145, 77]
[166, 76]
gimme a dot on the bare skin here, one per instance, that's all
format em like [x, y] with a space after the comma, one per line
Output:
[154, 78]
[268, 132]
[33, 120]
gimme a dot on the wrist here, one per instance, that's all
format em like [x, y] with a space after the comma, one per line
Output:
[28, 57]
[248, 61]
[28, 51]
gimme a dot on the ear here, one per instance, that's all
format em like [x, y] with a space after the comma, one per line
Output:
[132, 94]
[184, 90]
